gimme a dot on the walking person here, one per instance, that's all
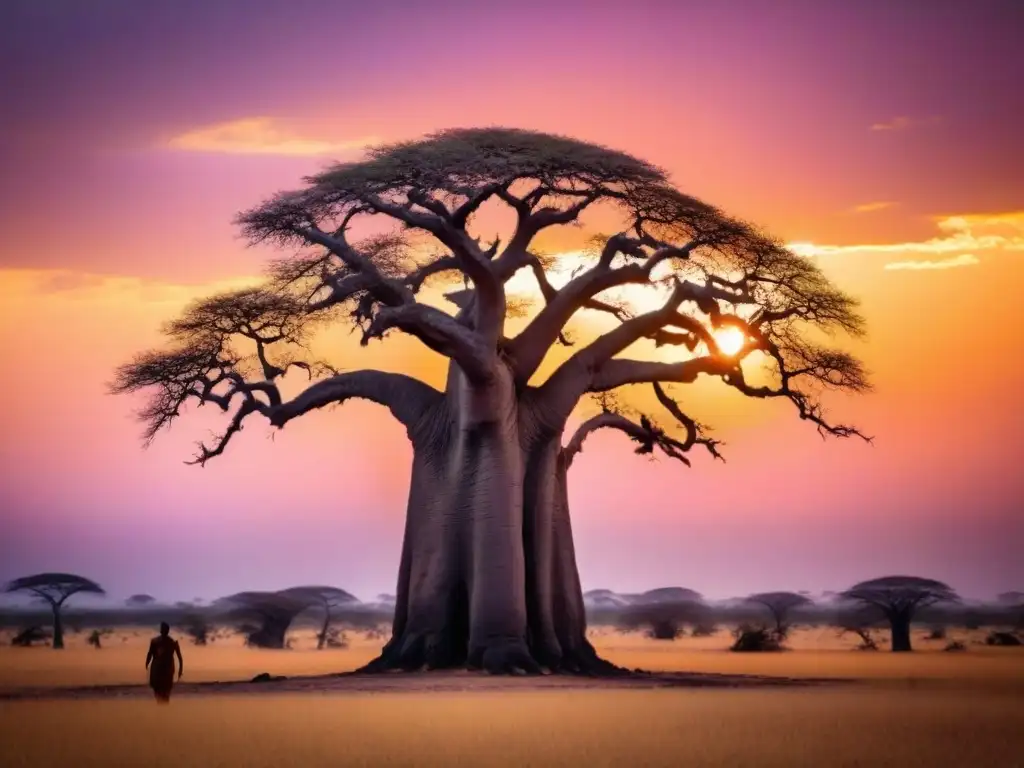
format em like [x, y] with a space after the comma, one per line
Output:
[160, 663]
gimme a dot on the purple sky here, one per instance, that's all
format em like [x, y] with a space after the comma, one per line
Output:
[853, 125]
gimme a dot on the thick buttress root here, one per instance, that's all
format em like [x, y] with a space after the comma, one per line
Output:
[510, 657]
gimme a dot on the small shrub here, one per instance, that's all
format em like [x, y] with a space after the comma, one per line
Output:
[937, 633]
[95, 639]
[955, 645]
[197, 629]
[867, 640]
[335, 638]
[701, 629]
[659, 621]
[755, 639]
[664, 629]
[1004, 639]
[30, 636]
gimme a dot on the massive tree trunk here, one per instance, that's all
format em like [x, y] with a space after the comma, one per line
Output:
[900, 623]
[487, 577]
[557, 617]
[461, 589]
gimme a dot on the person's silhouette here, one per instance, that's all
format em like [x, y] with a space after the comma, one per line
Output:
[160, 663]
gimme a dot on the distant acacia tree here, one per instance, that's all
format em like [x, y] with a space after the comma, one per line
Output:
[54, 589]
[139, 601]
[898, 599]
[487, 576]
[780, 605]
[327, 598]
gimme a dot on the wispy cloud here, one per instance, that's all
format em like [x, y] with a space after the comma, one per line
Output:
[964, 260]
[959, 239]
[880, 205]
[261, 136]
[903, 122]
[72, 285]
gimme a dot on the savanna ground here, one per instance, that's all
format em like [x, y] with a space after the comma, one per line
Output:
[929, 708]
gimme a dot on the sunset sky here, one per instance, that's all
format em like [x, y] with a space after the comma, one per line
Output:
[883, 139]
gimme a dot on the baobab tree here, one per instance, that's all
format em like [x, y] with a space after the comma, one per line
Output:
[780, 605]
[898, 599]
[54, 589]
[487, 576]
[273, 611]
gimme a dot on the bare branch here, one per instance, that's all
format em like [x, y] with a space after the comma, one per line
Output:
[440, 332]
[407, 398]
[645, 432]
[695, 432]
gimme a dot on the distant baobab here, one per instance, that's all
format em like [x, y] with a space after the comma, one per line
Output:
[488, 576]
[898, 599]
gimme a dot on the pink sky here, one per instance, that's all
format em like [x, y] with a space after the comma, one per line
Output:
[133, 132]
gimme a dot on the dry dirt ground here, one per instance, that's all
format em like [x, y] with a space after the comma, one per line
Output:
[927, 709]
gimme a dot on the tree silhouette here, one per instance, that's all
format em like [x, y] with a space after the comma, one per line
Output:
[664, 612]
[1013, 603]
[326, 598]
[54, 589]
[780, 605]
[898, 599]
[139, 601]
[488, 577]
[273, 611]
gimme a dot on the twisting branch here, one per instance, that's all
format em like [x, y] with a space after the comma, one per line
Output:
[695, 431]
[407, 398]
[206, 366]
[233, 351]
[527, 350]
[441, 333]
[645, 432]
[807, 406]
[430, 325]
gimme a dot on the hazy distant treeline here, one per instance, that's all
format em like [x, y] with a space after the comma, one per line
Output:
[77, 618]
[369, 616]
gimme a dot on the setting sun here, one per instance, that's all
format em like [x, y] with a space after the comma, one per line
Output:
[730, 340]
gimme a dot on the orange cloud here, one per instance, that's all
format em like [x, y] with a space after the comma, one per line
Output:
[960, 238]
[964, 260]
[881, 205]
[902, 123]
[261, 136]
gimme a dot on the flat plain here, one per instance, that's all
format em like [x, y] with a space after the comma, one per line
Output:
[929, 708]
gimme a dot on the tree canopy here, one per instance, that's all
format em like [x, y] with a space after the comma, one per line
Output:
[900, 593]
[54, 588]
[712, 272]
